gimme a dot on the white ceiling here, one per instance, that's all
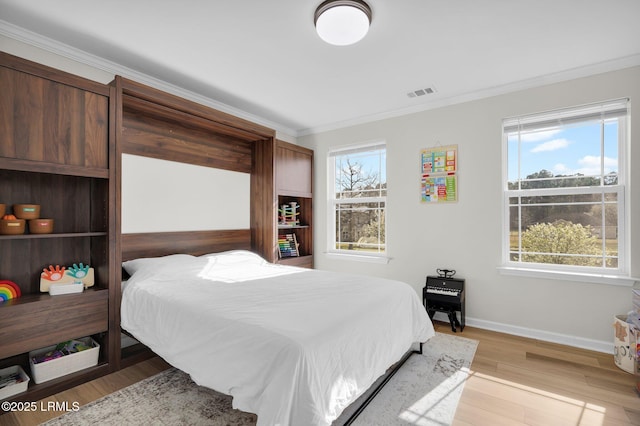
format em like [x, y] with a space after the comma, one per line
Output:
[263, 57]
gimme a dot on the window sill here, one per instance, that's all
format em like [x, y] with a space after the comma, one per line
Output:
[358, 257]
[617, 280]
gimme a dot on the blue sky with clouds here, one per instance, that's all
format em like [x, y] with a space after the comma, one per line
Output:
[372, 162]
[567, 150]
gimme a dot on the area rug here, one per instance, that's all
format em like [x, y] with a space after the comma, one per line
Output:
[425, 391]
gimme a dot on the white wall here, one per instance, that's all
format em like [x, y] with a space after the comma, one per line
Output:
[160, 195]
[466, 236]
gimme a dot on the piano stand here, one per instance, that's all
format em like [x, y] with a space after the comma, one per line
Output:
[440, 301]
[451, 313]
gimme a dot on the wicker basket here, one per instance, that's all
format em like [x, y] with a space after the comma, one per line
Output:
[26, 211]
[41, 226]
[11, 226]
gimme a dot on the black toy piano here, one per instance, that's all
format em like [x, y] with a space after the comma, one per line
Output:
[445, 294]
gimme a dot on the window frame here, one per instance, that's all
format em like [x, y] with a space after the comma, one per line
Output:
[599, 274]
[333, 202]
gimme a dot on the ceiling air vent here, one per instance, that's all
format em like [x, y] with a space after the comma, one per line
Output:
[421, 92]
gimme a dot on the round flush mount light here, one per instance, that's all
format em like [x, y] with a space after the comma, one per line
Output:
[342, 22]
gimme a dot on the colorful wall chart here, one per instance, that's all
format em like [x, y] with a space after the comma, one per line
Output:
[439, 183]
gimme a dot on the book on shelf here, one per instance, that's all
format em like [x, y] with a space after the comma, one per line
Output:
[288, 245]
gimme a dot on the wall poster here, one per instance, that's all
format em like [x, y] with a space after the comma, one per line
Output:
[439, 182]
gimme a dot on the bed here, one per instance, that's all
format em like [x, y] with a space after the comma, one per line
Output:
[293, 345]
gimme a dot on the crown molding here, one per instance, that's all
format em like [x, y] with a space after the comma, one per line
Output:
[25, 36]
[572, 74]
[53, 46]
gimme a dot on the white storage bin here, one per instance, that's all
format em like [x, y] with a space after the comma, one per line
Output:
[16, 388]
[67, 364]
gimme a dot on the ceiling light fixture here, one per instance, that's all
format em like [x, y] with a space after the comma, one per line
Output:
[342, 22]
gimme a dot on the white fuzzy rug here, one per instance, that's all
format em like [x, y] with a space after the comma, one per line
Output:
[425, 391]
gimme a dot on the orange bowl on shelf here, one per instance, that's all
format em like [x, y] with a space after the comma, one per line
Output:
[26, 211]
[41, 226]
[12, 226]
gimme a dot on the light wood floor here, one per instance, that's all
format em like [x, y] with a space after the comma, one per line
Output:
[513, 381]
[520, 381]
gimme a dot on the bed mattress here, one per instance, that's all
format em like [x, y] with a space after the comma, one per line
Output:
[295, 346]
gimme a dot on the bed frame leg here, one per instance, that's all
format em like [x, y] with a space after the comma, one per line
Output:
[378, 388]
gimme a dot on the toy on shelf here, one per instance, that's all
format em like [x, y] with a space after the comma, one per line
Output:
[289, 214]
[61, 349]
[62, 280]
[9, 290]
[288, 245]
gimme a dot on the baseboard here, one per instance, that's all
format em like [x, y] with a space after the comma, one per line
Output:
[547, 336]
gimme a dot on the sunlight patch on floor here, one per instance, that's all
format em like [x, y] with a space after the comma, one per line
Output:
[432, 406]
[538, 405]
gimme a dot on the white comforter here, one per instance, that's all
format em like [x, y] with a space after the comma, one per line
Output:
[295, 347]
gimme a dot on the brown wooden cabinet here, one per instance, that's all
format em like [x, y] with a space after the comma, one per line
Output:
[294, 170]
[294, 183]
[61, 138]
[56, 151]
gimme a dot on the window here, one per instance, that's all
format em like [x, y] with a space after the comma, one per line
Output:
[564, 190]
[357, 199]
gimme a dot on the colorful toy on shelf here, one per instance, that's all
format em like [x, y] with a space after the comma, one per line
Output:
[288, 245]
[71, 279]
[9, 290]
[289, 214]
[53, 274]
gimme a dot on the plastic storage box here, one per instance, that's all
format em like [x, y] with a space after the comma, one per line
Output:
[67, 364]
[14, 389]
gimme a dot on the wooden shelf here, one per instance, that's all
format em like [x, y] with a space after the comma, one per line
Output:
[54, 235]
[38, 320]
[294, 183]
[42, 390]
[38, 297]
[302, 261]
[51, 168]
[57, 151]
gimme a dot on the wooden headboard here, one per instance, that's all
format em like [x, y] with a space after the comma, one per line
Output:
[196, 243]
[156, 124]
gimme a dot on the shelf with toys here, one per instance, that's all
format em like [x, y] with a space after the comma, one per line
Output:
[58, 183]
[295, 236]
[294, 194]
[294, 208]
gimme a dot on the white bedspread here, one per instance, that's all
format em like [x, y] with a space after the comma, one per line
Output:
[295, 347]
